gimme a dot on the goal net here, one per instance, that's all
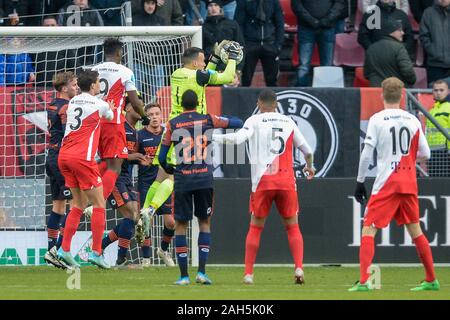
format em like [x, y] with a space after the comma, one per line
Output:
[29, 57]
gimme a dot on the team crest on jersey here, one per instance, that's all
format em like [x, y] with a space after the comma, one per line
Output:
[317, 125]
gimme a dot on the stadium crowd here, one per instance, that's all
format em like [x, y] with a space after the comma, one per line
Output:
[283, 35]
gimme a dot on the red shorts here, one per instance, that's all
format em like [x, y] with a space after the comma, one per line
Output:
[113, 141]
[382, 208]
[80, 174]
[285, 200]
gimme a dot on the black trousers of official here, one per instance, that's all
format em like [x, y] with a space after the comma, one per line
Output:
[269, 61]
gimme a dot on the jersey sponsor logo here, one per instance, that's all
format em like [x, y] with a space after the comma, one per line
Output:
[309, 113]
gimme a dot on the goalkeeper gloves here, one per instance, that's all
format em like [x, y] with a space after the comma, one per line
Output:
[234, 49]
[145, 121]
[360, 192]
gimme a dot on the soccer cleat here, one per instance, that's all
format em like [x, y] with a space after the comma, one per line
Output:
[428, 286]
[299, 276]
[51, 257]
[98, 260]
[143, 225]
[248, 279]
[361, 287]
[165, 256]
[202, 278]
[182, 281]
[67, 258]
[146, 262]
[88, 212]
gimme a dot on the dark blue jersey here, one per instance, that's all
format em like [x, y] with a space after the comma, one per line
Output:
[191, 135]
[132, 146]
[56, 117]
[148, 144]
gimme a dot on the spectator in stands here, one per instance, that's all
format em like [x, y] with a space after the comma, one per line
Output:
[316, 24]
[17, 68]
[147, 16]
[371, 30]
[400, 4]
[110, 17]
[340, 23]
[72, 14]
[16, 9]
[217, 28]
[52, 6]
[389, 58]
[435, 39]
[439, 163]
[48, 63]
[417, 8]
[228, 6]
[169, 10]
[262, 24]
[150, 72]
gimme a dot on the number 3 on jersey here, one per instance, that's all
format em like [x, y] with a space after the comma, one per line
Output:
[77, 118]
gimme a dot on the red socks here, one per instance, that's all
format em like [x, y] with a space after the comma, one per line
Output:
[97, 227]
[72, 222]
[102, 167]
[251, 247]
[366, 253]
[424, 252]
[295, 240]
[108, 180]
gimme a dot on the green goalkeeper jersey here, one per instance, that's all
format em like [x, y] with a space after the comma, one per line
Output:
[184, 79]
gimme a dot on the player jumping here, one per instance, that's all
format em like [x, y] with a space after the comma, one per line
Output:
[116, 81]
[149, 139]
[65, 84]
[398, 138]
[189, 134]
[192, 76]
[77, 165]
[271, 138]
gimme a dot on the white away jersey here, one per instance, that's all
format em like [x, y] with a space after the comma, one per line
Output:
[397, 137]
[115, 81]
[271, 137]
[82, 128]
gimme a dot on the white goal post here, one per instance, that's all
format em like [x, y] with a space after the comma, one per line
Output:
[151, 52]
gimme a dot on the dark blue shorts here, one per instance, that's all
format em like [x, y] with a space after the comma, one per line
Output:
[184, 202]
[122, 193]
[57, 184]
[166, 208]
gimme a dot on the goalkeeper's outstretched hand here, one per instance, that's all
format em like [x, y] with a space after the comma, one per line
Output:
[360, 192]
[215, 55]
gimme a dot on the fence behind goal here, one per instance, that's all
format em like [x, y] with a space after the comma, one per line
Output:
[153, 53]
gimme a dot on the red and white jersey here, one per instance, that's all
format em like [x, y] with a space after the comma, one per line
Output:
[397, 137]
[271, 137]
[83, 126]
[115, 81]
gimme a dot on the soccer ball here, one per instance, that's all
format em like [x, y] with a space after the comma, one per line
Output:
[224, 53]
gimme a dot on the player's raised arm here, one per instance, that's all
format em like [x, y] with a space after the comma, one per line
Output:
[138, 106]
[226, 122]
[234, 52]
[237, 137]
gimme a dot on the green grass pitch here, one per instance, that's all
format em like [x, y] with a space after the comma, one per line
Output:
[157, 283]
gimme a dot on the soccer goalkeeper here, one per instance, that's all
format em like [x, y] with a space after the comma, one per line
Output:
[192, 76]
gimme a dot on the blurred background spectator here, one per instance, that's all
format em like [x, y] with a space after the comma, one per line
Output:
[146, 15]
[435, 39]
[17, 68]
[389, 58]
[317, 21]
[417, 7]
[262, 24]
[217, 28]
[109, 17]
[79, 13]
[371, 30]
[228, 6]
[169, 10]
